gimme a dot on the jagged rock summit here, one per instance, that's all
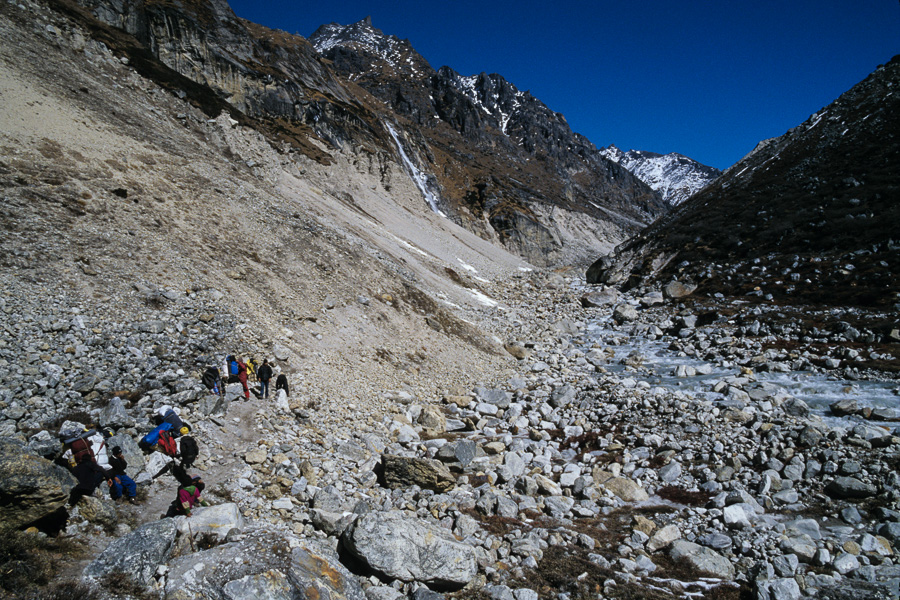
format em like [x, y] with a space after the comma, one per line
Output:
[502, 162]
[675, 176]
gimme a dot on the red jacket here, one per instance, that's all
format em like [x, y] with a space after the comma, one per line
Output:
[242, 372]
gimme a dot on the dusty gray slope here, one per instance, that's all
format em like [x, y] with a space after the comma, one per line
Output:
[110, 181]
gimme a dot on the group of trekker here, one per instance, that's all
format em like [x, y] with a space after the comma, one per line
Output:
[238, 371]
[85, 453]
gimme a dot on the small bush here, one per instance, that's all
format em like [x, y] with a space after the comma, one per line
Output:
[122, 584]
[30, 559]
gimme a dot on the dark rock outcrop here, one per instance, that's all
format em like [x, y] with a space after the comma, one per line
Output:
[31, 487]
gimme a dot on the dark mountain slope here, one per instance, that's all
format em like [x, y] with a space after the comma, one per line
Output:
[811, 216]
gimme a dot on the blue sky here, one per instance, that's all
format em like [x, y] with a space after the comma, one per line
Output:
[706, 79]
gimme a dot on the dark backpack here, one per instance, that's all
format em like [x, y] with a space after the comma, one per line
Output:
[189, 449]
[210, 377]
[175, 421]
[281, 383]
[166, 444]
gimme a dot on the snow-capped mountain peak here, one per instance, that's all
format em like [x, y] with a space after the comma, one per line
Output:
[396, 54]
[673, 175]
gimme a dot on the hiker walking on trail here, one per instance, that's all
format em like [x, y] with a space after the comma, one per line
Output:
[188, 497]
[119, 482]
[242, 377]
[264, 374]
[188, 449]
[213, 381]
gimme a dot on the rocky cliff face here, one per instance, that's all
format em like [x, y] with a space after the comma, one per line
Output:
[494, 160]
[498, 155]
[809, 216]
[675, 176]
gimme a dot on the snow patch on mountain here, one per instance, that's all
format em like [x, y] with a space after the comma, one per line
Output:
[675, 176]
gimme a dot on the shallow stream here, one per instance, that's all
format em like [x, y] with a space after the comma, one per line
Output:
[818, 390]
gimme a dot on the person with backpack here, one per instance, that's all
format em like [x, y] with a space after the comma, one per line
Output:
[231, 369]
[213, 381]
[188, 449]
[89, 475]
[119, 481]
[264, 374]
[188, 497]
[281, 383]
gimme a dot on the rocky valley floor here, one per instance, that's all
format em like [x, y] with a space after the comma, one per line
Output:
[569, 474]
[458, 422]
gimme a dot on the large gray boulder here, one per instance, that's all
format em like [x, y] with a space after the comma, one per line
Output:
[270, 585]
[598, 298]
[702, 559]
[213, 404]
[676, 290]
[402, 472]
[31, 487]
[848, 488]
[137, 554]
[217, 521]
[410, 550]
[114, 415]
[261, 565]
[623, 313]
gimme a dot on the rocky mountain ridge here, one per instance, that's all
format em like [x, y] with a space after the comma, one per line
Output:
[469, 123]
[676, 177]
[280, 85]
[457, 418]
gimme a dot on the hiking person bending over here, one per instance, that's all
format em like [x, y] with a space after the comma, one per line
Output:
[213, 381]
[242, 377]
[120, 482]
[264, 374]
[188, 497]
[281, 383]
[89, 475]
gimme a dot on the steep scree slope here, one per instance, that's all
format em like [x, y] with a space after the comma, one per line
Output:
[115, 187]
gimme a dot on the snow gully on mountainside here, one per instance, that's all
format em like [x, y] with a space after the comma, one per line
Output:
[420, 178]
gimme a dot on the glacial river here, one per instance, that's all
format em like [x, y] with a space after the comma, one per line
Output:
[819, 391]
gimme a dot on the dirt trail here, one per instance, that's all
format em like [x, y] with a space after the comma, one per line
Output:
[221, 455]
